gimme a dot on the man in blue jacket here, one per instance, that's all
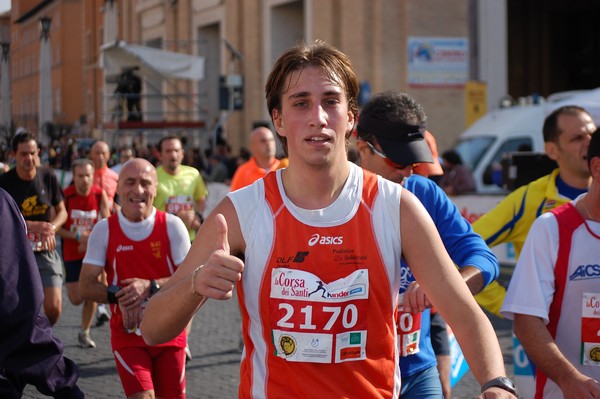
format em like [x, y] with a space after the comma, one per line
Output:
[390, 142]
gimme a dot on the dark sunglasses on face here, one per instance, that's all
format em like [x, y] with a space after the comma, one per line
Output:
[388, 161]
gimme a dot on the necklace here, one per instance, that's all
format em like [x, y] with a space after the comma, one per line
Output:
[585, 208]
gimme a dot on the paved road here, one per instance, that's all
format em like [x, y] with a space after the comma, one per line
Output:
[213, 372]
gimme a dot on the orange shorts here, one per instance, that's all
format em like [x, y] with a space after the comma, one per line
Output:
[159, 369]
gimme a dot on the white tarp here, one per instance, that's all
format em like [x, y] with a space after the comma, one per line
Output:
[151, 61]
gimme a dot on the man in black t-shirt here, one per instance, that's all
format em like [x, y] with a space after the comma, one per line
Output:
[39, 196]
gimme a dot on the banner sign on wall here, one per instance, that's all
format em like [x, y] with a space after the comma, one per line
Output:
[438, 61]
[475, 101]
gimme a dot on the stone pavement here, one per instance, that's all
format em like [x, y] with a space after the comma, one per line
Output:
[214, 370]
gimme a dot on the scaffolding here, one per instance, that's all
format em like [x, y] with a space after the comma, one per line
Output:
[156, 113]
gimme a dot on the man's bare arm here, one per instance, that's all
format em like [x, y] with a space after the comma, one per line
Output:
[104, 205]
[434, 270]
[208, 271]
[90, 285]
[546, 356]
[415, 299]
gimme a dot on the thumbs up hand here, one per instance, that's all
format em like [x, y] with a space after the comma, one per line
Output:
[217, 277]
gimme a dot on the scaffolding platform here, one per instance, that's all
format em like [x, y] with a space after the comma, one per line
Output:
[145, 125]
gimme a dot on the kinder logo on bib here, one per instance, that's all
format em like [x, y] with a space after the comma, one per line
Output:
[325, 240]
[122, 248]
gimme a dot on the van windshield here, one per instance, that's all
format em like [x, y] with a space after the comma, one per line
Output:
[472, 149]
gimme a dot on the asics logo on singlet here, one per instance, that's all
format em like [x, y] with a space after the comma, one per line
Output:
[124, 248]
[325, 240]
[585, 272]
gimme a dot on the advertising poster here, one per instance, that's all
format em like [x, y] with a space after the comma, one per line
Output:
[438, 61]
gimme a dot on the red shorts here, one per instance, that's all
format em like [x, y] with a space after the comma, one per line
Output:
[159, 369]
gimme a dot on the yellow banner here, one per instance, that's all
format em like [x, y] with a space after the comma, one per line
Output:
[475, 101]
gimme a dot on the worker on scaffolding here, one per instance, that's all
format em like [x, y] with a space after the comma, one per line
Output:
[129, 87]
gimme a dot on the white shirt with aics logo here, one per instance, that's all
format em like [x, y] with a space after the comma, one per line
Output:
[319, 287]
[531, 292]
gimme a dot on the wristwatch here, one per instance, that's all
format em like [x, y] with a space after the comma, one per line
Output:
[111, 292]
[154, 287]
[501, 382]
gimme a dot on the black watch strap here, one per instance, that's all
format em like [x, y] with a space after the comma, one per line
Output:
[111, 292]
[154, 287]
[501, 382]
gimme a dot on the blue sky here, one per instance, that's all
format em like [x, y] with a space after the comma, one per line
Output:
[4, 5]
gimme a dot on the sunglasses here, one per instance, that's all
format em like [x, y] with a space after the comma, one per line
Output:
[388, 161]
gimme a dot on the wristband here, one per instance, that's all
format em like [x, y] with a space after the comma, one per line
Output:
[194, 281]
[77, 236]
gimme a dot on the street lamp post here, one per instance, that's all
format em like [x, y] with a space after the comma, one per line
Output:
[110, 35]
[45, 100]
[45, 23]
[233, 83]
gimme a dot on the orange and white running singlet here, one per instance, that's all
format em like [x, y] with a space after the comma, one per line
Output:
[319, 292]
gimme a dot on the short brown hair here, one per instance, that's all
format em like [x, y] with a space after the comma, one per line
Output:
[166, 138]
[550, 128]
[81, 162]
[22, 137]
[333, 62]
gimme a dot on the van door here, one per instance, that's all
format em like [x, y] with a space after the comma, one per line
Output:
[492, 171]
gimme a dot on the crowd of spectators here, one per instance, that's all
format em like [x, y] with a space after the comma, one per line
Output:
[216, 165]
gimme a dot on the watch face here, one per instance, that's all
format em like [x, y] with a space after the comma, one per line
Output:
[508, 382]
[154, 287]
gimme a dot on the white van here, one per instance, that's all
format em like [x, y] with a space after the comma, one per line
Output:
[519, 128]
[485, 143]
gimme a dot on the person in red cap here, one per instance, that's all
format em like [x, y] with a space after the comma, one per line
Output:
[432, 170]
